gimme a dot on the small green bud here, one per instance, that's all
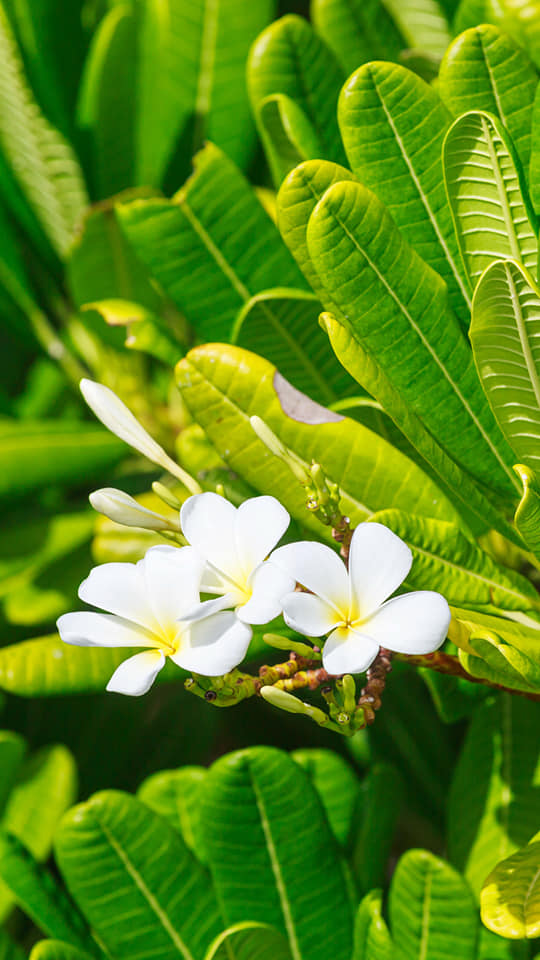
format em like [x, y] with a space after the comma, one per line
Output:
[291, 646]
[279, 449]
[283, 700]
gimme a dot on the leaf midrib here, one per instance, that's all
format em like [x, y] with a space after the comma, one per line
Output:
[501, 188]
[521, 325]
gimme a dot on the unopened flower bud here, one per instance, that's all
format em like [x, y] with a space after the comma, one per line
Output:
[120, 507]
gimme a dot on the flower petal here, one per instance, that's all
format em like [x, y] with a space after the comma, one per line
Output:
[120, 588]
[412, 623]
[172, 577]
[318, 568]
[136, 675]
[208, 524]
[347, 651]
[378, 563]
[260, 524]
[269, 584]
[83, 629]
[308, 614]
[208, 607]
[214, 646]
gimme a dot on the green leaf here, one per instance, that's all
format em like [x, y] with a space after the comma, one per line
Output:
[394, 303]
[288, 136]
[212, 247]
[176, 795]
[56, 950]
[483, 69]
[106, 105]
[224, 386]
[422, 23]
[10, 950]
[510, 897]
[145, 331]
[272, 855]
[43, 163]
[534, 169]
[493, 800]
[493, 947]
[282, 325]
[249, 941]
[34, 455]
[12, 750]
[372, 940]
[453, 697]
[393, 126]
[356, 31]
[39, 896]
[499, 662]
[491, 215]
[135, 880]
[432, 912]
[191, 80]
[504, 332]
[527, 516]
[337, 785]
[446, 560]
[290, 58]
[379, 809]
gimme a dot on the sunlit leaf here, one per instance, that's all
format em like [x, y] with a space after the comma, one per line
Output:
[372, 939]
[422, 24]
[510, 897]
[527, 516]
[249, 941]
[357, 31]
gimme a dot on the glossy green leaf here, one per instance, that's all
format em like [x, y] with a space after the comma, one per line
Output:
[356, 31]
[504, 332]
[422, 24]
[338, 788]
[176, 795]
[432, 911]
[394, 303]
[135, 880]
[491, 215]
[34, 455]
[493, 801]
[282, 325]
[372, 940]
[43, 163]
[223, 387]
[10, 950]
[510, 897]
[39, 895]
[393, 126]
[446, 560]
[106, 104]
[46, 667]
[57, 950]
[191, 80]
[492, 658]
[527, 516]
[534, 168]
[291, 59]
[379, 809]
[454, 698]
[212, 247]
[249, 941]
[288, 136]
[145, 331]
[271, 850]
[12, 750]
[483, 69]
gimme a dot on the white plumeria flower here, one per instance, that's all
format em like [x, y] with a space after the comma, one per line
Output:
[146, 604]
[234, 542]
[353, 607]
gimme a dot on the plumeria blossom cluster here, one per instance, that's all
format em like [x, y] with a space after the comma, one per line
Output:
[197, 603]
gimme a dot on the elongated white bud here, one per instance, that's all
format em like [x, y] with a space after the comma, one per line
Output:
[120, 507]
[114, 415]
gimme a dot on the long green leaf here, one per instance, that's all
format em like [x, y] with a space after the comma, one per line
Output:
[135, 880]
[372, 940]
[290, 58]
[448, 561]
[56, 950]
[395, 304]
[337, 786]
[510, 898]
[176, 795]
[10, 950]
[378, 812]
[357, 31]
[272, 855]
[12, 750]
[393, 126]
[282, 325]
[432, 912]
[527, 516]
[492, 806]
[249, 941]
[288, 136]
[39, 895]
[191, 80]
[422, 24]
[491, 215]
[504, 334]
[41, 160]
[483, 69]
[213, 247]
[223, 387]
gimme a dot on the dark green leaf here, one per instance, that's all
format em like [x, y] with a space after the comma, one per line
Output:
[176, 795]
[337, 786]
